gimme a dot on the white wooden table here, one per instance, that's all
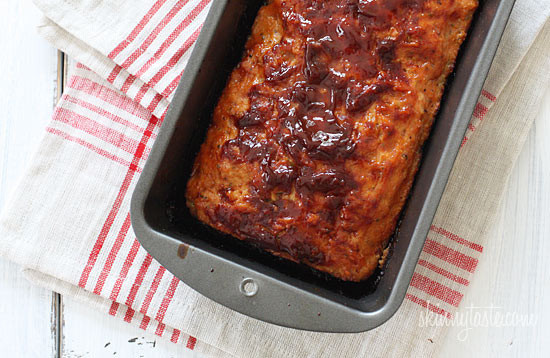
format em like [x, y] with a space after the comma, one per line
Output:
[513, 276]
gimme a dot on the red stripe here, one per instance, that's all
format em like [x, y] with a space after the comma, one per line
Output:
[464, 140]
[175, 335]
[428, 305]
[105, 113]
[112, 255]
[137, 284]
[443, 272]
[167, 299]
[95, 129]
[109, 95]
[166, 44]
[114, 308]
[114, 74]
[489, 95]
[170, 40]
[154, 103]
[129, 314]
[175, 58]
[152, 289]
[480, 111]
[435, 289]
[117, 204]
[141, 93]
[144, 322]
[141, 24]
[164, 113]
[127, 83]
[160, 329]
[91, 147]
[456, 238]
[124, 270]
[153, 35]
[191, 342]
[172, 86]
[453, 257]
[471, 127]
[126, 86]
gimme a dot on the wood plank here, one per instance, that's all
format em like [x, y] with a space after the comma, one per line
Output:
[89, 333]
[25, 328]
[27, 93]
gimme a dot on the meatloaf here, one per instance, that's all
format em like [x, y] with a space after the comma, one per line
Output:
[317, 136]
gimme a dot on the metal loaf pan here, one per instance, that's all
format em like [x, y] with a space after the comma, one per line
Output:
[257, 284]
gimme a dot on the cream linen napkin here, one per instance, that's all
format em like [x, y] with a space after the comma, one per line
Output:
[68, 222]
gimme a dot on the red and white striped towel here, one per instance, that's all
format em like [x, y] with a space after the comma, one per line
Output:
[68, 222]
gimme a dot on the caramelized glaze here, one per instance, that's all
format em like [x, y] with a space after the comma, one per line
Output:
[316, 139]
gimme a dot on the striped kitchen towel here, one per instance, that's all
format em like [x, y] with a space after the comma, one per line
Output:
[68, 222]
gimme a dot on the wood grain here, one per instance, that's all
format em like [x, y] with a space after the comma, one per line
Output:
[107, 336]
[28, 73]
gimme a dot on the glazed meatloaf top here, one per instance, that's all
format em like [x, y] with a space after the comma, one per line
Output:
[316, 139]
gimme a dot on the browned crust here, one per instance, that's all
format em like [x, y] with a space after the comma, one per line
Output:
[388, 136]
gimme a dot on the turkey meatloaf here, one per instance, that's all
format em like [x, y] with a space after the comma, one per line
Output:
[316, 139]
